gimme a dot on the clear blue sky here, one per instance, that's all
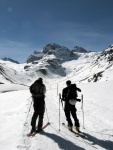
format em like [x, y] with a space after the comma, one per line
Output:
[28, 25]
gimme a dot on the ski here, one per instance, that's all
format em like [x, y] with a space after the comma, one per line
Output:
[75, 133]
[79, 133]
[37, 131]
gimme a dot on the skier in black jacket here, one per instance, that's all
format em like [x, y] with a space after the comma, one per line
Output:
[69, 93]
[38, 90]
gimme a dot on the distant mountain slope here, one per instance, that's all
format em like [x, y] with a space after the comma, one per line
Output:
[11, 73]
[92, 67]
[56, 61]
[60, 52]
[79, 49]
[9, 59]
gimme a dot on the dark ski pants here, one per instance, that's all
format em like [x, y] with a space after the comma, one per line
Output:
[71, 111]
[38, 113]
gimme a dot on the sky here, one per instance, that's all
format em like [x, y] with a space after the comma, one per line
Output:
[26, 26]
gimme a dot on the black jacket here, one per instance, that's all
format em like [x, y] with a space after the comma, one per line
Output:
[65, 92]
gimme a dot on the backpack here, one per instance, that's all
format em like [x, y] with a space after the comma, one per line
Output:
[72, 94]
[37, 89]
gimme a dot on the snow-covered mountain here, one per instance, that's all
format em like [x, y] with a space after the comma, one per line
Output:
[79, 49]
[61, 53]
[56, 65]
[9, 59]
[58, 61]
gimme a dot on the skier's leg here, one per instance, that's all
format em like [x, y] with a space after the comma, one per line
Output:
[40, 122]
[33, 120]
[41, 116]
[74, 115]
[68, 118]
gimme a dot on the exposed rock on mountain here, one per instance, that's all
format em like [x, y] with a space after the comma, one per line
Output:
[60, 52]
[50, 48]
[58, 61]
[9, 59]
[34, 57]
[106, 55]
[79, 49]
[46, 66]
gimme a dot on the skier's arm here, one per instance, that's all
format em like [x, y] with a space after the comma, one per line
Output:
[31, 89]
[79, 90]
[44, 92]
[63, 95]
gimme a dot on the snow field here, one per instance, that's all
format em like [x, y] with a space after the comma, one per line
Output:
[98, 110]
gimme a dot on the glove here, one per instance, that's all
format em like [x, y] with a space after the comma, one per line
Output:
[79, 100]
[62, 99]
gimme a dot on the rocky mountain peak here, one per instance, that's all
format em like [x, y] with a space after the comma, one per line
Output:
[106, 55]
[79, 49]
[110, 48]
[9, 59]
[50, 48]
[60, 52]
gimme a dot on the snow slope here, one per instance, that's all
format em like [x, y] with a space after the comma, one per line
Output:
[98, 120]
[58, 61]
[93, 73]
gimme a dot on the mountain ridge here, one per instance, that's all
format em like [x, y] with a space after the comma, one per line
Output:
[58, 62]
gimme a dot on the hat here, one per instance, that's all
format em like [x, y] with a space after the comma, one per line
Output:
[40, 80]
[68, 82]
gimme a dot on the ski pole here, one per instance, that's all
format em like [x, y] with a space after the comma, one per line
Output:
[47, 113]
[28, 112]
[61, 101]
[59, 110]
[82, 110]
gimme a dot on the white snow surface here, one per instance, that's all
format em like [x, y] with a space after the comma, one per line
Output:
[16, 113]
[98, 120]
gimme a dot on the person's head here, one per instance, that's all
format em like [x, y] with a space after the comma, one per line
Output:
[68, 83]
[40, 80]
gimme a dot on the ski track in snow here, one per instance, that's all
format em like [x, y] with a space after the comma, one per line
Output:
[98, 110]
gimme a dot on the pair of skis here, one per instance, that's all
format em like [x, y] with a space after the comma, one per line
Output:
[75, 133]
[37, 131]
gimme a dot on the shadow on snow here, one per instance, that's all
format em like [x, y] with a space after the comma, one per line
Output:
[107, 144]
[62, 143]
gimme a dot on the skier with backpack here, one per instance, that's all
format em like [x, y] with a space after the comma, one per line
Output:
[69, 96]
[38, 90]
